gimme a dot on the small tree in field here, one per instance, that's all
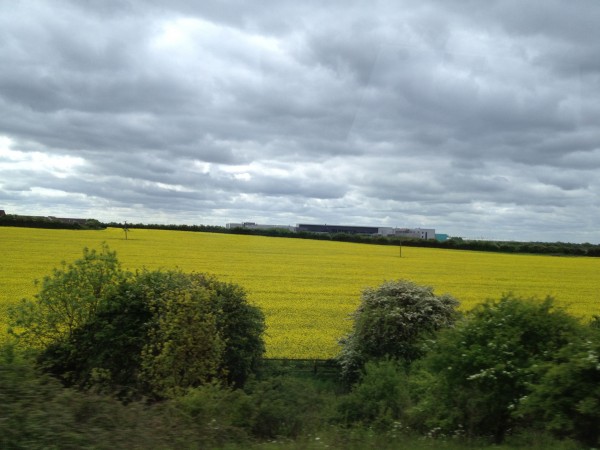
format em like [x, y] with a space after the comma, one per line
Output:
[125, 229]
[391, 322]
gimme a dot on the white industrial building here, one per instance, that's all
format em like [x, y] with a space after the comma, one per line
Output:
[415, 233]
[411, 233]
[258, 226]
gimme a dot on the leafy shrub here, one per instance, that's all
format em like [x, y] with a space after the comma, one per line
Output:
[67, 299]
[183, 346]
[202, 329]
[37, 412]
[391, 322]
[153, 333]
[566, 399]
[285, 407]
[380, 399]
[483, 368]
[216, 414]
[106, 352]
[240, 326]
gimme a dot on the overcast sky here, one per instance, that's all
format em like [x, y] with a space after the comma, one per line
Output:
[478, 119]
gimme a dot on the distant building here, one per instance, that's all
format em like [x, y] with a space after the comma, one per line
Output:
[2, 213]
[257, 226]
[67, 220]
[350, 229]
[413, 233]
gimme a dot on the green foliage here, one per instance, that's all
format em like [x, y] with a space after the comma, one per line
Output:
[157, 333]
[183, 346]
[277, 407]
[211, 324]
[392, 321]
[152, 333]
[566, 399]
[284, 407]
[380, 399]
[13, 220]
[105, 353]
[67, 299]
[216, 414]
[36, 412]
[480, 371]
[240, 325]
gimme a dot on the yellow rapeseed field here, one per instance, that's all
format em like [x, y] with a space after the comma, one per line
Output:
[306, 288]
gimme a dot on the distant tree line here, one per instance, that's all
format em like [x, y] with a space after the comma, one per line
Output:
[14, 220]
[454, 243]
[173, 227]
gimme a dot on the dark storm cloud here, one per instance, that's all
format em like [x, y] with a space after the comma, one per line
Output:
[478, 119]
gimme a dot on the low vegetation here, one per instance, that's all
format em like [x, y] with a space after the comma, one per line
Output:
[393, 321]
[477, 375]
[165, 359]
[144, 334]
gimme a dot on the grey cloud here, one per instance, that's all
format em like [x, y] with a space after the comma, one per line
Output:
[285, 186]
[457, 115]
[583, 159]
[566, 181]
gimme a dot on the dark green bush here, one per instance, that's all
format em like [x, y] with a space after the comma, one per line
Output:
[285, 407]
[183, 347]
[216, 414]
[105, 354]
[483, 368]
[37, 412]
[240, 326]
[380, 399]
[566, 399]
[153, 333]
